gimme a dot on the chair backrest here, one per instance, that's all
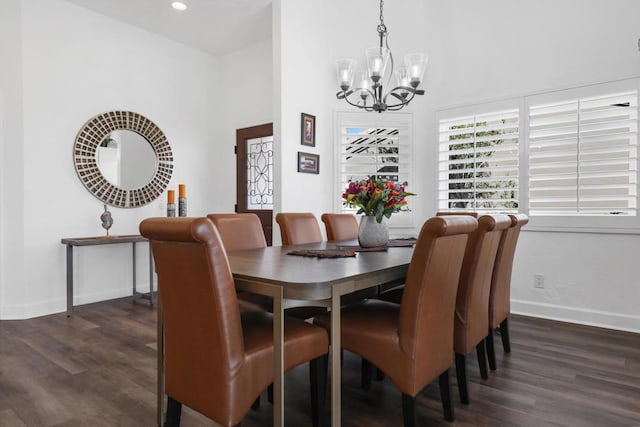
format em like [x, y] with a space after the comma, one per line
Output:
[428, 303]
[239, 231]
[472, 301]
[340, 227]
[500, 296]
[203, 332]
[298, 228]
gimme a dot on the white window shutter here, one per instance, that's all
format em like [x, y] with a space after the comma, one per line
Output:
[583, 156]
[479, 162]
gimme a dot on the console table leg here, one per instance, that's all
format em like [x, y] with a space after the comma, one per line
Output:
[69, 280]
[133, 251]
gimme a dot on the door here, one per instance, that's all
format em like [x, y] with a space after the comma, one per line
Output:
[254, 170]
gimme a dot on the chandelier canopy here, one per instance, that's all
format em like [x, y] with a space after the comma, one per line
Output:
[369, 83]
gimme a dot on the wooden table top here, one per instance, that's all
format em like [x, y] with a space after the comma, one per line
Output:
[312, 278]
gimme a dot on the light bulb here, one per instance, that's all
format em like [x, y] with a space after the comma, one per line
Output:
[178, 5]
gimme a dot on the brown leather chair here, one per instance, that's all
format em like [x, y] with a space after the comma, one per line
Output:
[244, 231]
[298, 228]
[472, 301]
[394, 294]
[500, 295]
[217, 359]
[239, 230]
[412, 343]
[340, 227]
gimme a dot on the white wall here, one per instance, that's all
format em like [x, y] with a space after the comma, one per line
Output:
[76, 64]
[496, 49]
[246, 99]
[308, 37]
[11, 156]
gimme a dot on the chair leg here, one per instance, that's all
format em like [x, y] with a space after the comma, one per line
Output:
[482, 360]
[504, 333]
[408, 410]
[461, 374]
[174, 410]
[491, 352]
[367, 370]
[256, 404]
[318, 380]
[445, 396]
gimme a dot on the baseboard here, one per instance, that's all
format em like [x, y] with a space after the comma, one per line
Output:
[601, 319]
[59, 305]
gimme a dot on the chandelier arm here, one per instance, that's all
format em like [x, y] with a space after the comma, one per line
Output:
[403, 101]
[343, 94]
[364, 106]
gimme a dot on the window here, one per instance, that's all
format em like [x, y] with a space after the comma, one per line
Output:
[567, 158]
[478, 162]
[374, 145]
[583, 156]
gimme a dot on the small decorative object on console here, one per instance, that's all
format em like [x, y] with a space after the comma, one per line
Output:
[171, 203]
[182, 200]
[107, 220]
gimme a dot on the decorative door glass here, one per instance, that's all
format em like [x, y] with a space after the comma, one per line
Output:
[260, 173]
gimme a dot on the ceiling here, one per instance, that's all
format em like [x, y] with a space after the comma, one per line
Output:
[214, 26]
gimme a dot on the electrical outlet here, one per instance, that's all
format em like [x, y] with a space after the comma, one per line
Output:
[538, 281]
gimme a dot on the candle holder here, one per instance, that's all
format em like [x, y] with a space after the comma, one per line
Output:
[171, 209]
[182, 206]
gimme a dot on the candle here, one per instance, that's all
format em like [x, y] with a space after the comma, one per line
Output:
[182, 190]
[344, 78]
[171, 196]
[415, 72]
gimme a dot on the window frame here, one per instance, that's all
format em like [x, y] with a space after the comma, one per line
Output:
[342, 118]
[554, 223]
[475, 111]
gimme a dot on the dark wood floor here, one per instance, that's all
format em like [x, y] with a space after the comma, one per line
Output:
[98, 368]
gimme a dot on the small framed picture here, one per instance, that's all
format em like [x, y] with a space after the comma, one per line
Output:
[308, 163]
[308, 130]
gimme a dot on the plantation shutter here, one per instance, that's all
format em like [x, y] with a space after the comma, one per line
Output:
[479, 161]
[371, 145]
[583, 156]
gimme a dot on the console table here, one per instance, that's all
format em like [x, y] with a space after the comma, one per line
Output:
[104, 240]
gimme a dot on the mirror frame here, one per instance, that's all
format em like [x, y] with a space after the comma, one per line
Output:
[84, 158]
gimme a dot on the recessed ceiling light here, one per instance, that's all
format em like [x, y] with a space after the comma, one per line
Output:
[178, 5]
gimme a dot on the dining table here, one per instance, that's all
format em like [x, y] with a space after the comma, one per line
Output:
[312, 280]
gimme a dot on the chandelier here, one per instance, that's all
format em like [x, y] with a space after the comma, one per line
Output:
[369, 83]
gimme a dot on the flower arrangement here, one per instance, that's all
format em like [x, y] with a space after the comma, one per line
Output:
[375, 197]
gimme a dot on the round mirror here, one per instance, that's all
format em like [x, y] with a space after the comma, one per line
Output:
[126, 159]
[123, 159]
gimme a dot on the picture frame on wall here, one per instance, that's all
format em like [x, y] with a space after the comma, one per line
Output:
[308, 163]
[308, 130]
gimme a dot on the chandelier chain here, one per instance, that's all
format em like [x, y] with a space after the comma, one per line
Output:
[382, 28]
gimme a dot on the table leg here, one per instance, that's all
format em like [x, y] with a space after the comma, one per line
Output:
[69, 280]
[151, 271]
[278, 358]
[336, 381]
[160, 365]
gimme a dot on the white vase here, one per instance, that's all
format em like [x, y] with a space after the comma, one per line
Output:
[371, 233]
